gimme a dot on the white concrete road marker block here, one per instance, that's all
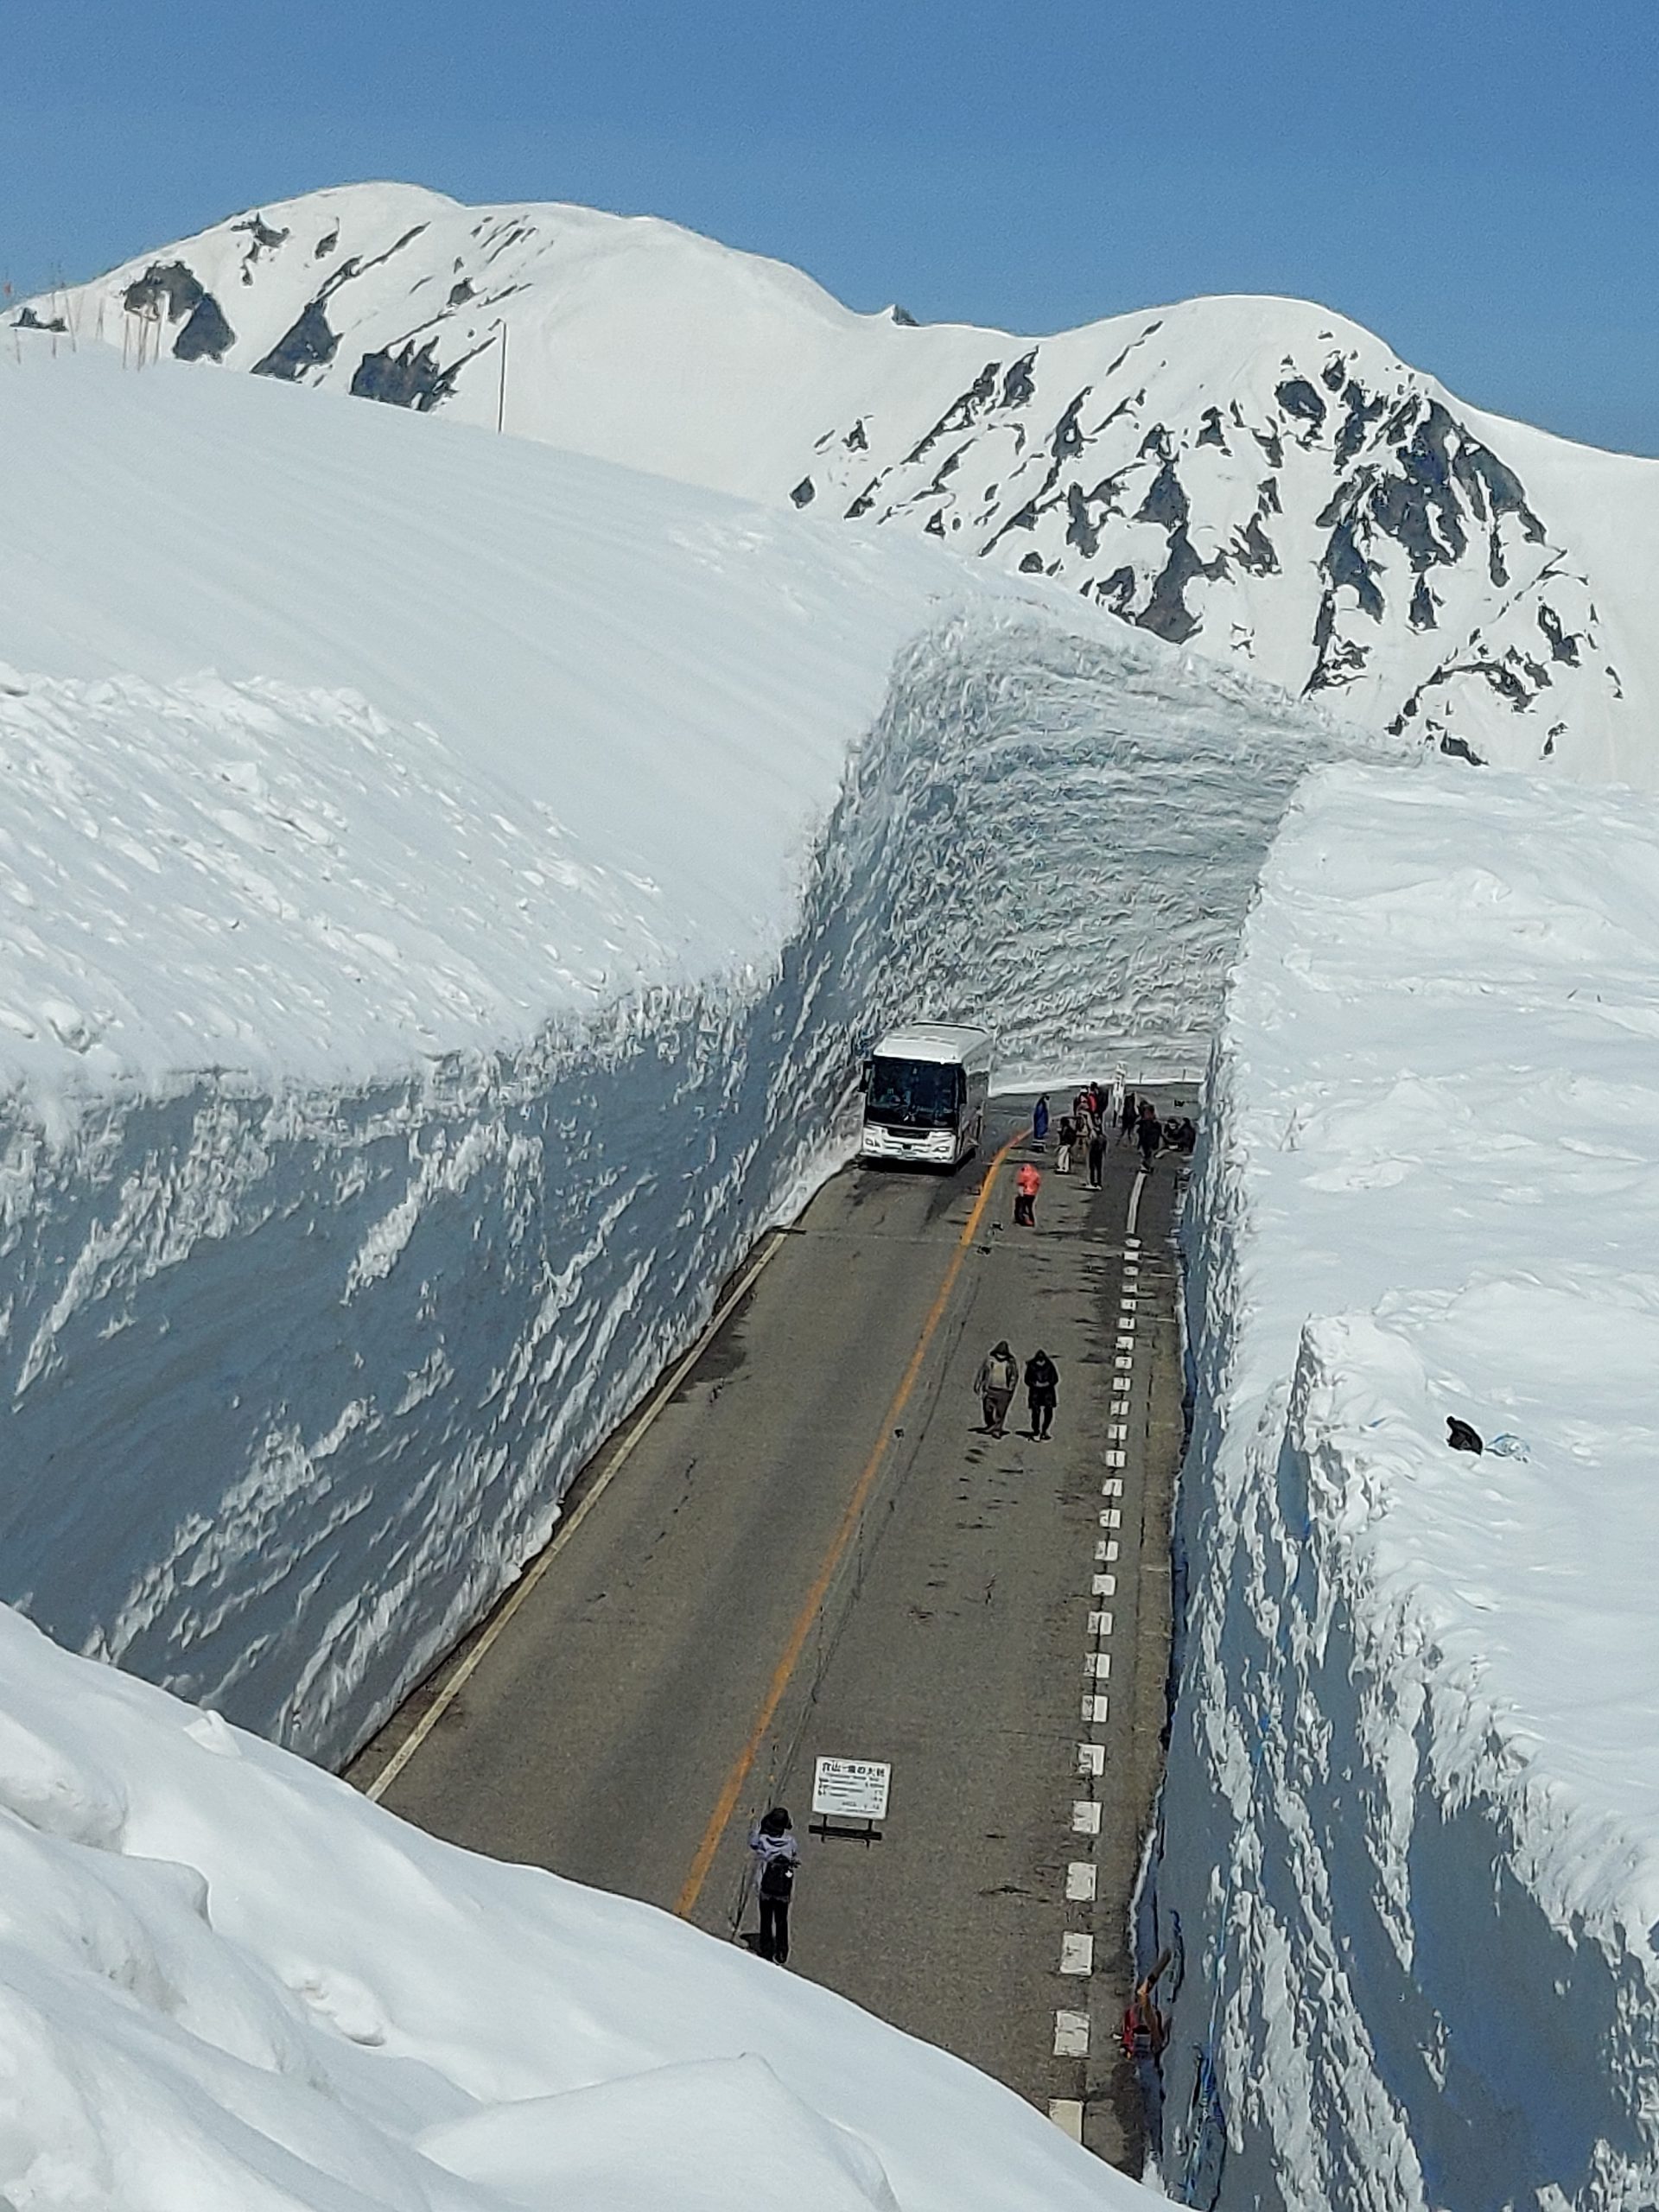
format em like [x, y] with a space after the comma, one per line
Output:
[1091, 1758]
[1093, 1708]
[1080, 1882]
[1111, 1518]
[1071, 2035]
[1085, 1817]
[1096, 1665]
[1105, 1586]
[1066, 2113]
[1100, 1624]
[1106, 1548]
[1076, 1953]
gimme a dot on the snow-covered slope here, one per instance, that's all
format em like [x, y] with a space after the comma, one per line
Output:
[1410, 1847]
[1257, 476]
[228, 1981]
[405, 1025]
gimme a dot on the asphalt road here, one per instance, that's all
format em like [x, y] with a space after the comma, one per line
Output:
[814, 1549]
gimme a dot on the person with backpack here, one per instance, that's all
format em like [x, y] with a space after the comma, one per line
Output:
[777, 1855]
[1026, 1184]
[1151, 1133]
[1042, 1391]
[1040, 1118]
[1125, 1119]
[996, 1382]
[1097, 1156]
[1068, 1138]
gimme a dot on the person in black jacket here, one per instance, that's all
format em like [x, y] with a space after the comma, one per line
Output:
[1042, 1390]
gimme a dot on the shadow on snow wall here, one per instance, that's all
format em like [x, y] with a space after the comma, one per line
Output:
[298, 1380]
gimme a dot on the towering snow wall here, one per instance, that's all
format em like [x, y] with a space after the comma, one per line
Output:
[1407, 1871]
[298, 1370]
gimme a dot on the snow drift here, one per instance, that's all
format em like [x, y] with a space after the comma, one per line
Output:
[407, 1025]
[1258, 476]
[1408, 1866]
[226, 1980]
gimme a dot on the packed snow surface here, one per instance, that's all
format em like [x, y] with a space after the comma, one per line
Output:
[450, 884]
[228, 1981]
[1258, 476]
[1409, 1853]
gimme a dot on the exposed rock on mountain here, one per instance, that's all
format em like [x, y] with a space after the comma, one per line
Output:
[1255, 478]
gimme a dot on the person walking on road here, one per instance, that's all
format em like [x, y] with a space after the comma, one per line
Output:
[1068, 1138]
[1026, 1184]
[777, 1855]
[1042, 1391]
[1097, 1156]
[1151, 1133]
[996, 1382]
[1126, 1119]
[1040, 1118]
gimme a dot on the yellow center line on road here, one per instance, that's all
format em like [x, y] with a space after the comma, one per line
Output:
[726, 1804]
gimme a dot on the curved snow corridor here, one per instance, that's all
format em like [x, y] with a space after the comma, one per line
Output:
[297, 1374]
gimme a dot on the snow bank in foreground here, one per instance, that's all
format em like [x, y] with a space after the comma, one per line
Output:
[407, 1027]
[1419, 1699]
[227, 1979]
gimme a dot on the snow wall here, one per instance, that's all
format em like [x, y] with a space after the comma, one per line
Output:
[1407, 1867]
[297, 1377]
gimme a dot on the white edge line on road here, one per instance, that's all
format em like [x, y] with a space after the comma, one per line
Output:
[1135, 1206]
[568, 1528]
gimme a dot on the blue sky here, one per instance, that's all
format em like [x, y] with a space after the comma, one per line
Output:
[1478, 182]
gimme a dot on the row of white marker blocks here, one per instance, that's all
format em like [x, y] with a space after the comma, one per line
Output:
[1077, 1946]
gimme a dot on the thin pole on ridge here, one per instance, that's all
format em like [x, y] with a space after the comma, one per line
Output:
[501, 387]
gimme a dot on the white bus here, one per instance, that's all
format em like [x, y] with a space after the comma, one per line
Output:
[924, 1092]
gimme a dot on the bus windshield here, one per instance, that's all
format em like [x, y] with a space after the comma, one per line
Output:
[914, 1094]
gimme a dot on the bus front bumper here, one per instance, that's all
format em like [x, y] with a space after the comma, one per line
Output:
[930, 1147]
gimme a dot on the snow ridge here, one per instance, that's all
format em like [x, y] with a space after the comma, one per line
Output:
[1258, 476]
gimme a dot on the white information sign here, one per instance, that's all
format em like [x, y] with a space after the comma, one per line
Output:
[851, 1790]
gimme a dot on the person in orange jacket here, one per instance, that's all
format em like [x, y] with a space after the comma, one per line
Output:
[1026, 1184]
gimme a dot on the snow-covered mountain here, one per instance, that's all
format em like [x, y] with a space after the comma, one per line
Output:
[1256, 478]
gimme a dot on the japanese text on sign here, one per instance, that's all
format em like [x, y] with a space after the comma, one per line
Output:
[855, 1789]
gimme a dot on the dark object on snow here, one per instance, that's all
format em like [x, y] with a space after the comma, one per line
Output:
[1460, 1437]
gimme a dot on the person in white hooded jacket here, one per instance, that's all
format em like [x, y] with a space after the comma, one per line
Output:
[776, 1858]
